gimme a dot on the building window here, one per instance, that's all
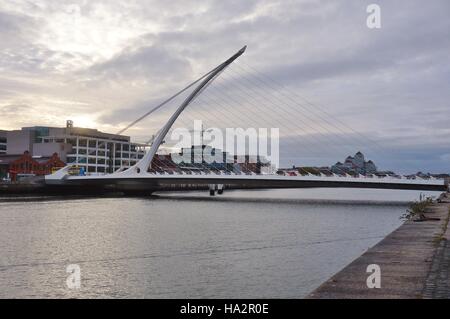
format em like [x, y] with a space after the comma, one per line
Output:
[92, 144]
[82, 143]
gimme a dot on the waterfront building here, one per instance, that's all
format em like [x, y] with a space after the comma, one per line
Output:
[370, 167]
[355, 165]
[95, 151]
[34, 165]
[14, 166]
[204, 158]
[359, 160]
[3, 139]
[5, 160]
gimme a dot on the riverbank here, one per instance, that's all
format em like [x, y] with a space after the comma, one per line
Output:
[414, 263]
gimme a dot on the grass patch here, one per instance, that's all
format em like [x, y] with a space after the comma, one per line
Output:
[417, 209]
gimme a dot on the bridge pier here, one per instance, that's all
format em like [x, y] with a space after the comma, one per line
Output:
[213, 188]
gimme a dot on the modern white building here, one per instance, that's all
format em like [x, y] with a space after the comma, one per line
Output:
[95, 151]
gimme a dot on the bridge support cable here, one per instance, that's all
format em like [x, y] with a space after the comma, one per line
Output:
[309, 123]
[254, 115]
[317, 127]
[255, 111]
[225, 114]
[338, 142]
[314, 108]
[260, 108]
[210, 100]
[283, 107]
[347, 133]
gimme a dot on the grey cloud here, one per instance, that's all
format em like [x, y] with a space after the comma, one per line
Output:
[18, 51]
[149, 62]
[13, 109]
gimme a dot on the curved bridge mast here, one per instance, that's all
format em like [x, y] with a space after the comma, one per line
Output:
[143, 165]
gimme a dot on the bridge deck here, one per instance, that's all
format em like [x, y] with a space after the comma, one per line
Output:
[152, 181]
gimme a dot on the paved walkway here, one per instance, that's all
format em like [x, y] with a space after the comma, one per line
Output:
[437, 285]
[414, 262]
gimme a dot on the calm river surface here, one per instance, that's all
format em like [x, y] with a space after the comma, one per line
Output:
[246, 244]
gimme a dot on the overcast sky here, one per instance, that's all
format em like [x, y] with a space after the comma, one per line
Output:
[102, 63]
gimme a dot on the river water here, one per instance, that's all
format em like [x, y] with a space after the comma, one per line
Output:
[243, 244]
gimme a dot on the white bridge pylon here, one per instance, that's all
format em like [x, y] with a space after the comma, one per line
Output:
[144, 164]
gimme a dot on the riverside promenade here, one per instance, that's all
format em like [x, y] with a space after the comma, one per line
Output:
[414, 261]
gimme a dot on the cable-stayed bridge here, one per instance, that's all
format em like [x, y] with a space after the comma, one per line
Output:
[149, 174]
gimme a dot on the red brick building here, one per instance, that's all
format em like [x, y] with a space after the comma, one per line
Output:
[26, 164]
